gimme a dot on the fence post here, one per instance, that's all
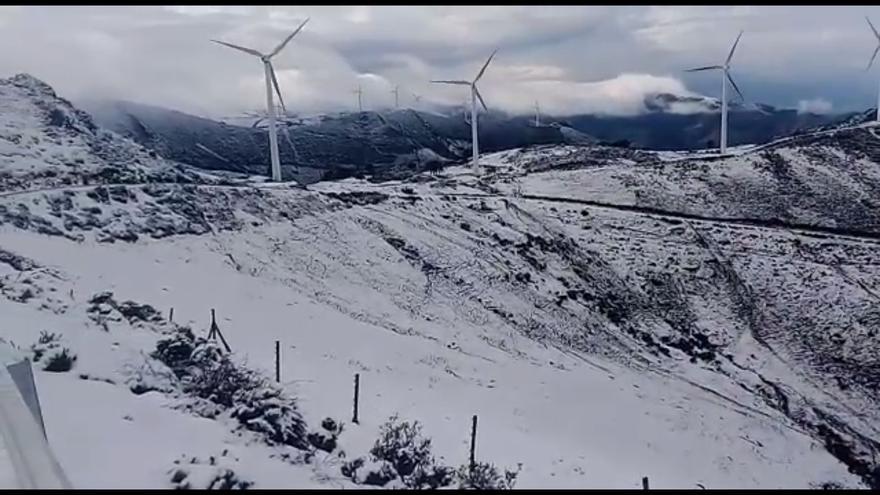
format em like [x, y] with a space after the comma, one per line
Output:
[357, 386]
[278, 361]
[171, 315]
[644, 482]
[473, 441]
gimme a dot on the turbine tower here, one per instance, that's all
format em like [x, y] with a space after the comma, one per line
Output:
[396, 93]
[725, 77]
[360, 93]
[537, 114]
[475, 94]
[877, 35]
[416, 99]
[271, 80]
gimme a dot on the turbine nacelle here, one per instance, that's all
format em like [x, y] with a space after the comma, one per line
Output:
[725, 67]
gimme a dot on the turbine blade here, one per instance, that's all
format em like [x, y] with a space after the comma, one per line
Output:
[709, 67]
[463, 83]
[485, 65]
[477, 92]
[734, 86]
[873, 57]
[733, 48]
[277, 88]
[287, 40]
[872, 28]
[246, 50]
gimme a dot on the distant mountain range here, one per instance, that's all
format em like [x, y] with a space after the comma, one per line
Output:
[397, 143]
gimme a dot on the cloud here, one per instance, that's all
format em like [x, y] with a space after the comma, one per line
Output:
[816, 105]
[569, 57]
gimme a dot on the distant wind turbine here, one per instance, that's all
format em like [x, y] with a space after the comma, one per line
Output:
[360, 93]
[877, 35]
[271, 80]
[475, 93]
[396, 93]
[537, 114]
[725, 77]
[417, 98]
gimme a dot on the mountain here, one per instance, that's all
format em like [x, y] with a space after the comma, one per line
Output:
[383, 144]
[608, 314]
[687, 123]
[397, 143]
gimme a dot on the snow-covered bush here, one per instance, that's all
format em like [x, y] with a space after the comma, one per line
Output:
[51, 355]
[205, 372]
[59, 361]
[326, 441]
[401, 453]
[402, 457]
[103, 308]
[198, 475]
[485, 476]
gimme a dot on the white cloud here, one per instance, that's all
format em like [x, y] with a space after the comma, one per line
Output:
[816, 105]
[161, 55]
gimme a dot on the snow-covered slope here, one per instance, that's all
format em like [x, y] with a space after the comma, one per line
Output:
[596, 344]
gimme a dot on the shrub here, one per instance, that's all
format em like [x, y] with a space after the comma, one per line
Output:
[326, 441]
[200, 477]
[485, 476]
[402, 445]
[48, 351]
[228, 480]
[205, 372]
[402, 456]
[400, 453]
[60, 362]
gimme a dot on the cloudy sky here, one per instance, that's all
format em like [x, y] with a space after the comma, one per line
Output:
[571, 59]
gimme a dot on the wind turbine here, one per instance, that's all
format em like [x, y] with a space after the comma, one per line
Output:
[877, 35]
[360, 93]
[725, 77]
[270, 106]
[416, 99]
[475, 93]
[396, 93]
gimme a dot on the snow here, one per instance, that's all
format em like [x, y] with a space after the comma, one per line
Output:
[582, 427]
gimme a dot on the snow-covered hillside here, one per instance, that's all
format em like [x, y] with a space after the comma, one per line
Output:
[596, 344]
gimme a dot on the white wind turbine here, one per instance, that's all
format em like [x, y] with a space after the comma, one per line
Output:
[360, 93]
[725, 77]
[270, 106]
[537, 114]
[475, 94]
[877, 35]
[396, 93]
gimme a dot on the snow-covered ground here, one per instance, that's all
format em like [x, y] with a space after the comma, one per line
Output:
[571, 423]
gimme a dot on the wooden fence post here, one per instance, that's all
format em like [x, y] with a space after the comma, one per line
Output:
[171, 315]
[278, 361]
[473, 441]
[644, 482]
[357, 386]
[215, 332]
